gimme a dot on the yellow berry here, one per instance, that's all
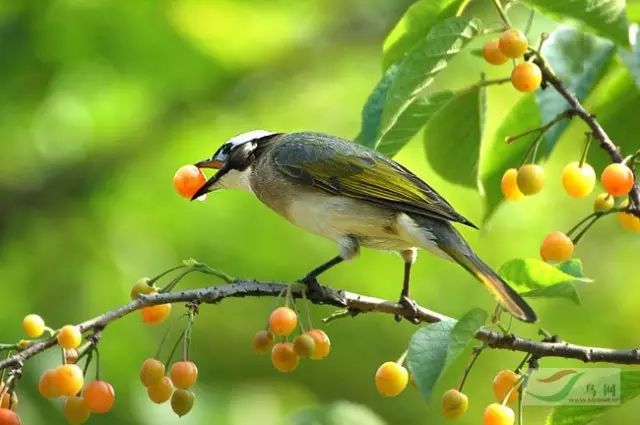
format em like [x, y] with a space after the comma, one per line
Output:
[498, 414]
[151, 372]
[283, 321]
[530, 179]
[578, 181]
[69, 337]
[628, 221]
[603, 202]
[33, 325]
[454, 404]
[69, 379]
[74, 410]
[284, 357]
[391, 379]
[322, 344]
[160, 391]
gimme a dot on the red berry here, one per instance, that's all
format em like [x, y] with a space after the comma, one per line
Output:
[184, 374]
[9, 417]
[188, 179]
[526, 77]
[283, 321]
[492, 54]
[617, 179]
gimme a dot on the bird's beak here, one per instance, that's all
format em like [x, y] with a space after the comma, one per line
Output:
[216, 165]
[210, 163]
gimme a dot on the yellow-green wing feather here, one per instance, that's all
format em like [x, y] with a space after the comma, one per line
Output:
[341, 167]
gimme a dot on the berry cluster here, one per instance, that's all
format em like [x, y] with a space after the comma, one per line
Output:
[160, 388]
[578, 179]
[285, 356]
[506, 386]
[512, 44]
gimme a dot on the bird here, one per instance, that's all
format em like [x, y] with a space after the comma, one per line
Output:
[355, 196]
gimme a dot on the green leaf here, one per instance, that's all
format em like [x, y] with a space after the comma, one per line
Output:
[453, 136]
[414, 25]
[337, 413]
[582, 415]
[535, 278]
[632, 59]
[606, 18]
[428, 354]
[497, 156]
[463, 333]
[422, 63]
[579, 60]
[411, 121]
[372, 110]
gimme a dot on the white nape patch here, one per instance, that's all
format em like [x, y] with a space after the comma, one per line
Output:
[248, 136]
[409, 230]
[235, 179]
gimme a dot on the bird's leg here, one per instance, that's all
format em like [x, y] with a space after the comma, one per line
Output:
[349, 248]
[311, 279]
[409, 257]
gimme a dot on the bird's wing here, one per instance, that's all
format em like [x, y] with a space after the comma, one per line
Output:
[340, 167]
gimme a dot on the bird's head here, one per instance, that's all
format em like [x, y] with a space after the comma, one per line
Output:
[233, 161]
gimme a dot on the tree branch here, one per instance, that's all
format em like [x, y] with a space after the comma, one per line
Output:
[598, 132]
[355, 303]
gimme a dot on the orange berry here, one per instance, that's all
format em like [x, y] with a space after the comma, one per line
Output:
[182, 402]
[160, 391]
[502, 384]
[322, 344]
[284, 358]
[9, 417]
[526, 77]
[262, 341]
[454, 404]
[304, 345]
[492, 54]
[578, 181]
[75, 411]
[184, 374]
[513, 43]
[33, 325]
[556, 247]
[48, 385]
[188, 179]
[509, 185]
[69, 379]
[530, 179]
[282, 321]
[99, 396]
[151, 372]
[617, 179]
[391, 379]
[628, 221]
[142, 287]
[498, 414]
[603, 202]
[69, 336]
[155, 314]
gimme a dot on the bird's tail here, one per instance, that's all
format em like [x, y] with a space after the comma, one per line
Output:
[450, 242]
[506, 296]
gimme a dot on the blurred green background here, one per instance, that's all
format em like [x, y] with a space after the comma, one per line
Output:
[101, 101]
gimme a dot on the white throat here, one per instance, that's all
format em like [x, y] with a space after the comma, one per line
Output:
[235, 179]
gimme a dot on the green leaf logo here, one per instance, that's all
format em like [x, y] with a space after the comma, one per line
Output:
[563, 392]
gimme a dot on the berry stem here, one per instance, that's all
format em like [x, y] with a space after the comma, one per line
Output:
[97, 351]
[173, 350]
[502, 13]
[165, 335]
[527, 29]
[474, 357]
[169, 287]
[402, 358]
[587, 144]
[594, 216]
[164, 273]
